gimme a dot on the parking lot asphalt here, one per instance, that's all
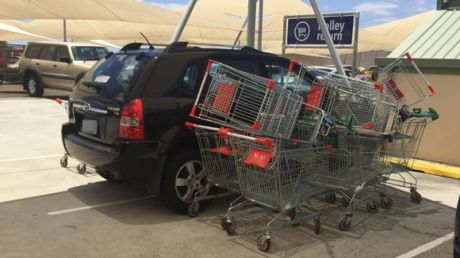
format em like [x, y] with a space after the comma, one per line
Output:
[49, 211]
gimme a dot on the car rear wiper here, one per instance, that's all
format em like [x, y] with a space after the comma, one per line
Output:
[93, 84]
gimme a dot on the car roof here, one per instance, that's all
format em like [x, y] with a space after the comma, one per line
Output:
[184, 47]
[73, 44]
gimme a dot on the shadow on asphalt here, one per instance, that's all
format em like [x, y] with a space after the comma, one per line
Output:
[10, 91]
[147, 210]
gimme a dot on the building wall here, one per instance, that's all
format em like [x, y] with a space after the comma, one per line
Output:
[441, 140]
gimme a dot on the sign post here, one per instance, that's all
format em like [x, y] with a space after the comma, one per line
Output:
[304, 31]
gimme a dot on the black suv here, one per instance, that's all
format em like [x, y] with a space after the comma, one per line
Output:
[127, 114]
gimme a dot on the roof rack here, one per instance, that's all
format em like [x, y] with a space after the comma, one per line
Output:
[169, 48]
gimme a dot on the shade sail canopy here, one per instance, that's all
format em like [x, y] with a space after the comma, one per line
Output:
[100, 10]
[399, 30]
[213, 21]
[9, 32]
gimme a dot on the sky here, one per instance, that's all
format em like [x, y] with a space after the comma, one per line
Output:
[372, 12]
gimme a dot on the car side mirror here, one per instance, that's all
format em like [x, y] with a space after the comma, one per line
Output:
[65, 60]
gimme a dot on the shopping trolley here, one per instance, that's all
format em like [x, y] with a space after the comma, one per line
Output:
[218, 158]
[354, 167]
[406, 88]
[399, 155]
[357, 104]
[275, 174]
[235, 99]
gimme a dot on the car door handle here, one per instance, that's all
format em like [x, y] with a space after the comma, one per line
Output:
[37, 63]
[54, 65]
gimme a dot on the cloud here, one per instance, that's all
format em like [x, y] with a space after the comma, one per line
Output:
[377, 8]
[385, 19]
[422, 6]
[167, 6]
[163, 5]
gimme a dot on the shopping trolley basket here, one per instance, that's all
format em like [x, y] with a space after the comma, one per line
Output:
[244, 101]
[357, 104]
[405, 87]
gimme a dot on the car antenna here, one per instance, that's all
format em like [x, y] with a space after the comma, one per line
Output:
[151, 47]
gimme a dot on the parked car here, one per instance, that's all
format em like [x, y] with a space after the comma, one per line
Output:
[9, 57]
[127, 115]
[56, 65]
[457, 232]
[331, 69]
[11, 73]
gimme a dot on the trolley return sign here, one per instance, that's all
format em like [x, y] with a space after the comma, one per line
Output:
[304, 31]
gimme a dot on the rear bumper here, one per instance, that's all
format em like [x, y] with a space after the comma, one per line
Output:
[124, 160]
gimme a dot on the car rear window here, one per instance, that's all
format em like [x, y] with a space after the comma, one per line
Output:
[89, 53]
[115, 76]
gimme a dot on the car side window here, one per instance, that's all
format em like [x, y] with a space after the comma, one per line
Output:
[276, 72]
[62, 52]
[48, 53]
[33, 51]
[249, 66]
[189, 81]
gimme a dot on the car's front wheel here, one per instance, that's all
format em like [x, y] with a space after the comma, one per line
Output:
[184, 178]
[33, 86]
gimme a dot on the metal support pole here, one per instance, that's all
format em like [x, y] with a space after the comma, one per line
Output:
[283, 47]
[64, 23]
[261, 17]
[251, 22]
[355, 45]
[327, 38]
[238, 36]
[183, 21]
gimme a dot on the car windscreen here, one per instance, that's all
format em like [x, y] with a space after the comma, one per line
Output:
[115, 76]
[89, 53]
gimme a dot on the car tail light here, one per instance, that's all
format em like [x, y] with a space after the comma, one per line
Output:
[457, 240]
[132, 121]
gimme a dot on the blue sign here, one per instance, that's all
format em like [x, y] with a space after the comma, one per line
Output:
[305, 31]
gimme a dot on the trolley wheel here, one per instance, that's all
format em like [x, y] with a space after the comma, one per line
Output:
[330, 198]
[63, 162]
[292, 213]
[386, 202]
[230, 228]
[224, 223]
[345, 202]
[263, 243]
[415, 197]
[317, 221]
[81, 168]
[372, 206]
[194, 209]
[345, 223]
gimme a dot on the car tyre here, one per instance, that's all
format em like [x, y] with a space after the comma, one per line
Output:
[109, 177]
[179, 184]
[33, 86]
[456, 254]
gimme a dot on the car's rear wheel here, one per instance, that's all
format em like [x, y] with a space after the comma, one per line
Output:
[109, 177]
[184, 177]
[456, 254]
[33, 86]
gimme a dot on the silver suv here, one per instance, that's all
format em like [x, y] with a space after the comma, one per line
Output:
[56, 65]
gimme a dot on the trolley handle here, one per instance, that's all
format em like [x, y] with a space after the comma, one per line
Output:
[200, 91]
[432, 90]
[228, 132]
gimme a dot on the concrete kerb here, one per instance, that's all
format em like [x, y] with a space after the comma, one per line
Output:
[433, 168]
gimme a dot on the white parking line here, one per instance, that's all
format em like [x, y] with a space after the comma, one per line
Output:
[52, 213]
[427, 246]
[33, 157]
